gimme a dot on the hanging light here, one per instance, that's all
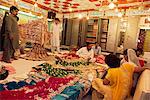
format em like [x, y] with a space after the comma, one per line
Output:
[35, 5]
[80, 16]
[148, 18]
[16, 0]
[111, 5]
[70, 9]
[116, 10]
[120, 14]
[87, 17]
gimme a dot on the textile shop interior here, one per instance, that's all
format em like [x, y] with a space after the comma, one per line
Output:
[75, 49]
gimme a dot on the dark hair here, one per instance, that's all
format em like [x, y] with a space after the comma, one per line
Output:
[17, 18]
[125, 52]
[57, 19]
[112, 61]
[12, 8]
[140, 50]
[87, 43]
[4, 75]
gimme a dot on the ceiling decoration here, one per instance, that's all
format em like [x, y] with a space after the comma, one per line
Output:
[67, 6]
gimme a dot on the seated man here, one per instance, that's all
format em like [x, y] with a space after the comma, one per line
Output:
[86, 52]
[117, 83]
[97, 49]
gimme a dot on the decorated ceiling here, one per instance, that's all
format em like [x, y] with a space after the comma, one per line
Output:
[83, 5]
[68, 6]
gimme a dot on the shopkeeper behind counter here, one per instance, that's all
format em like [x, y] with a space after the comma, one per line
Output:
[86, 52]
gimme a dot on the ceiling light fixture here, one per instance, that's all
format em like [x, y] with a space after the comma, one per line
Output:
[87, 17]
[116, 10]
[35, 5]
[120, 14]
[16, 0]
[148, 18]
[80, 16]
[111, 5]
[70, 9]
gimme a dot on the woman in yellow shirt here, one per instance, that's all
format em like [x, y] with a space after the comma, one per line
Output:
[117, 83]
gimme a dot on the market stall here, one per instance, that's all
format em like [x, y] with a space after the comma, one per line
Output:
[40, 74]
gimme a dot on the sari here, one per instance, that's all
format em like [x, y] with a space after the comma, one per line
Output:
[119, 86]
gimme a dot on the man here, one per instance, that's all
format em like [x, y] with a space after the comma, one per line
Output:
[11, 36]
[86, 52]
[97, 49]
[55, 31]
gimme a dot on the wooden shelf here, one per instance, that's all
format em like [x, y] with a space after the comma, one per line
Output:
[90, 37]
[104, 32]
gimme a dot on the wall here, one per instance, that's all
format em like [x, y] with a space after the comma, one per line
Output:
[112, 38]
[132, 32]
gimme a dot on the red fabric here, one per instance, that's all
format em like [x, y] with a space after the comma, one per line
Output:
[141, 62]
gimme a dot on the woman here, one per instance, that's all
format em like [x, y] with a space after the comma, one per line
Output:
[118, 82]
[130, 56]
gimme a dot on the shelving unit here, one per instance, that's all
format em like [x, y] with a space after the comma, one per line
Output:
[92, 30]
[104, 33]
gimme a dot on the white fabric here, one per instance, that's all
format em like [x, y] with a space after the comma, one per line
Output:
[143, 87]
[97, 50]
[56, 30]
[83, 52]
[132, 58]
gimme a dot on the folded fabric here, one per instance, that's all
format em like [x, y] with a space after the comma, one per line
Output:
[2, 87]
[70, 93]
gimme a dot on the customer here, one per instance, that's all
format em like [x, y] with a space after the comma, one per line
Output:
[97, 49]
[118, 81]
[3, 31]
[130, 56]
[11, 41]
[86, 52]
[55, 31]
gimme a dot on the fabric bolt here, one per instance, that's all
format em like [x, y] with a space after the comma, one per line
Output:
[70, 93]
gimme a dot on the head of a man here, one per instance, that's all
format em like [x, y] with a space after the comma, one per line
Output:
[57, 21]
[14, 10]
[96, 44]
[112, 61]
[88, 45]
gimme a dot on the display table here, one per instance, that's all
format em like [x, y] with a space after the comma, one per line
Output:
[143, 87]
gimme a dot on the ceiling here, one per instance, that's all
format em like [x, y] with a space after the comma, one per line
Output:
[67, 6]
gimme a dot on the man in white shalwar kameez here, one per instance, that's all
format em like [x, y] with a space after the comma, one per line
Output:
[55, 31]
[86, 52]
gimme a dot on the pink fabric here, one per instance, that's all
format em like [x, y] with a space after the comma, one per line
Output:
[10, 69]
[100, 59]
